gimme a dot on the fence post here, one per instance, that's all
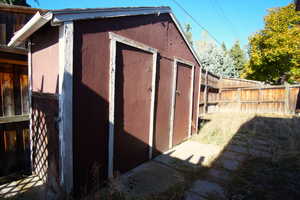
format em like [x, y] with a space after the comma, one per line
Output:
[287, 98]
[205, 92]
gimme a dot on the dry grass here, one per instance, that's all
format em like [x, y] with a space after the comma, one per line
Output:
[219, 129]
[276, 177]
[281, 132]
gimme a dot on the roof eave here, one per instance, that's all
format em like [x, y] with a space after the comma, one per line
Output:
[82, 14]
[36, 22]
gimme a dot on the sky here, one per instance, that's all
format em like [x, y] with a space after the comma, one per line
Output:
[226, 20]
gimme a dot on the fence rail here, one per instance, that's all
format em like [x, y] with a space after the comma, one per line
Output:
[238, 95]
[282, 99]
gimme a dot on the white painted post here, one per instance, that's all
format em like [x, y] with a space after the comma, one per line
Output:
[66, 104]
[191, 102]
[173, 96]
[112, 71]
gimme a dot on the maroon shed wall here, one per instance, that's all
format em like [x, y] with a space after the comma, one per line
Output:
[163, 96]
[182, 103]
[91, 81]
[132, 107]
[45, 61]
[45, 65]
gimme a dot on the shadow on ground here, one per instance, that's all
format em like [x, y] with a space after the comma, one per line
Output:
[208, 166]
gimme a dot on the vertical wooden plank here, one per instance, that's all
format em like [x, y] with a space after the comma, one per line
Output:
[26, 139]
[8, 94]
[24, 94]
[238, 100]
[259, 100]
[1, 96]
[5, 141]
[2, 145]
[19, 140]
[17, 91]
[3, 34]
[287, 99]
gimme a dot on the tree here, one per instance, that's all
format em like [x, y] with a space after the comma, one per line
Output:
[275, 50]
[238, 56]
[15, 2]
[215, 59]
[188, 33]
[224, 47]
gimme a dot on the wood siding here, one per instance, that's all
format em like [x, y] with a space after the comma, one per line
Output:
[45, 60]
[91, 79]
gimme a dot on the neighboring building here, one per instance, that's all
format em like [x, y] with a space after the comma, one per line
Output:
[125, 82]
[14, 104]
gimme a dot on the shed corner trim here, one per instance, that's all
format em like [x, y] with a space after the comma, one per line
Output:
[66, 38]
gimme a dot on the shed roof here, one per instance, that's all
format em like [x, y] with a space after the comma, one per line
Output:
[56, 17]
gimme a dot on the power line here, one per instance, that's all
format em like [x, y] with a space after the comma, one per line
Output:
[233, 29]
[202, 27]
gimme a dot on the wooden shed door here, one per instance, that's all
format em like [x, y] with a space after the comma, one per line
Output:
[182, 103]
[132, 107]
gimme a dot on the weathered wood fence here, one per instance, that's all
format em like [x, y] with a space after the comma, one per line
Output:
[238, 95]
[267, 99]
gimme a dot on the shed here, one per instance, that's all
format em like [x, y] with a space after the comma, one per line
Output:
[126, 82]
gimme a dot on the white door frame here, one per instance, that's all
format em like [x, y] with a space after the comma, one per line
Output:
[114, 38]
[174, 82]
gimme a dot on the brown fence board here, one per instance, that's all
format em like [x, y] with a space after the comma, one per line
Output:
[266, 99]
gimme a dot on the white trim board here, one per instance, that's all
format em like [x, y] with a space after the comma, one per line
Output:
[173, 101]
[66, 39]
[114, 38]
[198, 100]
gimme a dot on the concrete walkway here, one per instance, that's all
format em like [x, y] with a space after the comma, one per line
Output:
[169, 169]
[222, 168]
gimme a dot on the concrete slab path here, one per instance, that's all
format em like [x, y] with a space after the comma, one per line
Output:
[167, 170]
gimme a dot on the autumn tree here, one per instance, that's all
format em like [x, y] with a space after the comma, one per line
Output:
[275, 51]
[239, 57]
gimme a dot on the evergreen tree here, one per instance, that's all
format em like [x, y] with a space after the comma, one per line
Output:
[238, 56]
[188, 33]
[224, 47]
[215, 59]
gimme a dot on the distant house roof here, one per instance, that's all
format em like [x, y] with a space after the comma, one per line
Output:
[18, 9]
[297, 2]
[56, 17]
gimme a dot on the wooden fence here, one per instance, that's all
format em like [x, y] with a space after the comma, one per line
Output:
[238, 95]
[209, 91]
[268, 99]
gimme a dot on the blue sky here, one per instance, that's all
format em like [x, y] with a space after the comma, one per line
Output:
[226, 20]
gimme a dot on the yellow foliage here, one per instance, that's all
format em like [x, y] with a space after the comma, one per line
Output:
[275, 50]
